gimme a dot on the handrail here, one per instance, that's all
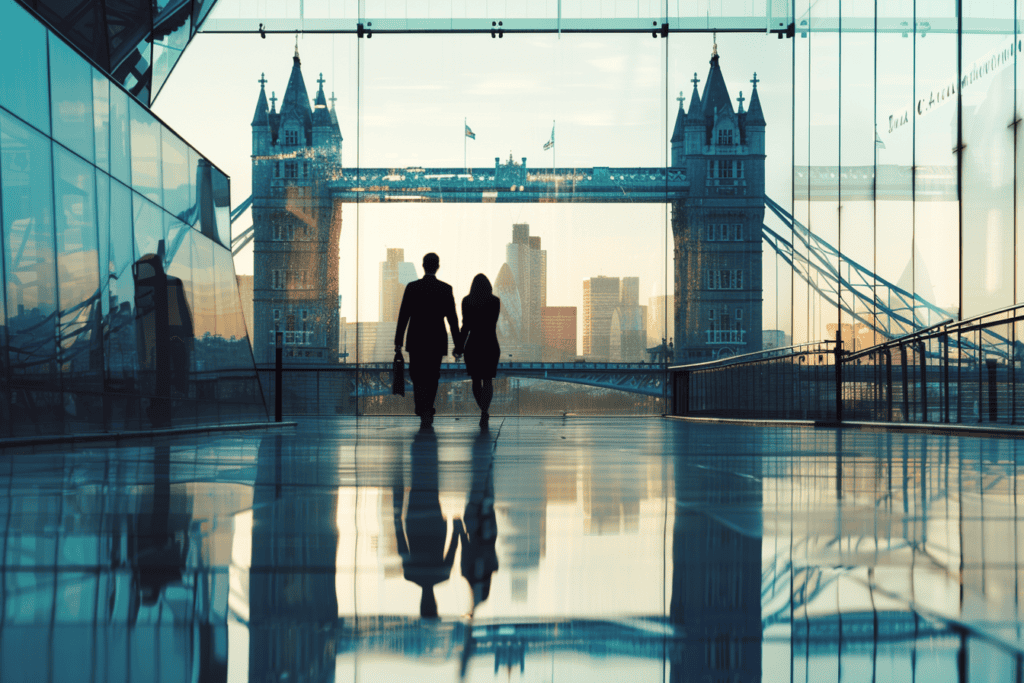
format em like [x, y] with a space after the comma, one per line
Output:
[747, 357]
[898, 341]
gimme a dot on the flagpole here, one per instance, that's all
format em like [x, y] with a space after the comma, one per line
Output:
[464, 136]
[554, 152]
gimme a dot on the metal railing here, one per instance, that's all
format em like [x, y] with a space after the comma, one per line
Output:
[792, 382]
[954, 372]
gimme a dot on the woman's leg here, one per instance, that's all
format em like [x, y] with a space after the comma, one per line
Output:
[486, 393]
[476, 392]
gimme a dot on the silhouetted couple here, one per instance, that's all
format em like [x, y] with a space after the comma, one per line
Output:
[426, 304]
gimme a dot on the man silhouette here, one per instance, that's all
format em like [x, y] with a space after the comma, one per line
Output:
[426, 304]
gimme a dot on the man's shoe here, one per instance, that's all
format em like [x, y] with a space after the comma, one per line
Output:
[484, 417]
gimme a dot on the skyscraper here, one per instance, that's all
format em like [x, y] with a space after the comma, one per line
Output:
[528, 265]
[395, 274]
[600, 299]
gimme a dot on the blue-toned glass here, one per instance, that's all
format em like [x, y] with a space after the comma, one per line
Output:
[204, 308]
[192, 216]
[175, 176]
[146, 165]
[27, 194]
[168, 49]
[222, 207]
[101, 119]
[120, 137]
[135, 72]
[77, 251]
[24, 86]
[182, 346]
[120, 343]
[80, 319]
[71, 89]
[149, 226]
[103, 234]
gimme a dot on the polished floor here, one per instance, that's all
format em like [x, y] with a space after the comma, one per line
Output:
[542, 549]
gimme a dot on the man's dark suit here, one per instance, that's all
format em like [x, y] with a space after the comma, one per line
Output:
[425, 306]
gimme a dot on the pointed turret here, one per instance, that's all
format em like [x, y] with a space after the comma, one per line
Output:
[679, 133]
[260, 117]
[261, 137]
[295, 111]
[323, 133]
[716, 95]
[695, 98]
[755, 117]
[273, 117]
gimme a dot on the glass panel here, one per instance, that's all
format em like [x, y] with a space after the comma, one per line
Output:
[855, 183]
[29, 265]
[167, 50]
[823, 206]
[987, 92]
[936, 210]
[222, 207]
[149, 227]
[146, 154]
[192, 215]
[81, 358]
[120, 344]
[802, 190]
[120, 137]
[71, 87]
[182, 351]
[894, 207]
[204, 301]
[101, 118]
[175, 176]
[24, 81]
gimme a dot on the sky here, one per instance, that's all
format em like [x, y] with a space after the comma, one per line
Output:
[402, 102]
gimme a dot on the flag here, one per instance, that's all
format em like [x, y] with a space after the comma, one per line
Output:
[878, 141]
[550, 143]
[469, 133]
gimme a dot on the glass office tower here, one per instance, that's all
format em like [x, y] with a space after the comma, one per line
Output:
[120, 309]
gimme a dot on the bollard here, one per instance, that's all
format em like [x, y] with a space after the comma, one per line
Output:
[278, 374]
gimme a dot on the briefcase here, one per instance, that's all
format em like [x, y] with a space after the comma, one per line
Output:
[398, 375]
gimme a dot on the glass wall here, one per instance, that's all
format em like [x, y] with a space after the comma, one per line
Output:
[119, 309]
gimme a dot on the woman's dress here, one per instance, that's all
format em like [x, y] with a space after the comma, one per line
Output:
[479, 332]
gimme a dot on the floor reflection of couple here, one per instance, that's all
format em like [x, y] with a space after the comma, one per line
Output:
[421, 542]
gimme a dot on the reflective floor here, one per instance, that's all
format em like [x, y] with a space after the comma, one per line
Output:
[576, 549]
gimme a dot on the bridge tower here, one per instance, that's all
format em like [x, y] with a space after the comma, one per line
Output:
[295, 154]
[717, 229]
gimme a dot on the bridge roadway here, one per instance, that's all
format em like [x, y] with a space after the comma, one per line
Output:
[511, 184]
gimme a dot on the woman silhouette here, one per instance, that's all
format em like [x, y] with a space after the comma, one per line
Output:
[480, 340]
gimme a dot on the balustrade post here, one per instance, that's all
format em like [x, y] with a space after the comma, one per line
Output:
[945, 376]
[278, 375]
[888, 384]
[839, 376]
[924, 382]
[906, 381]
